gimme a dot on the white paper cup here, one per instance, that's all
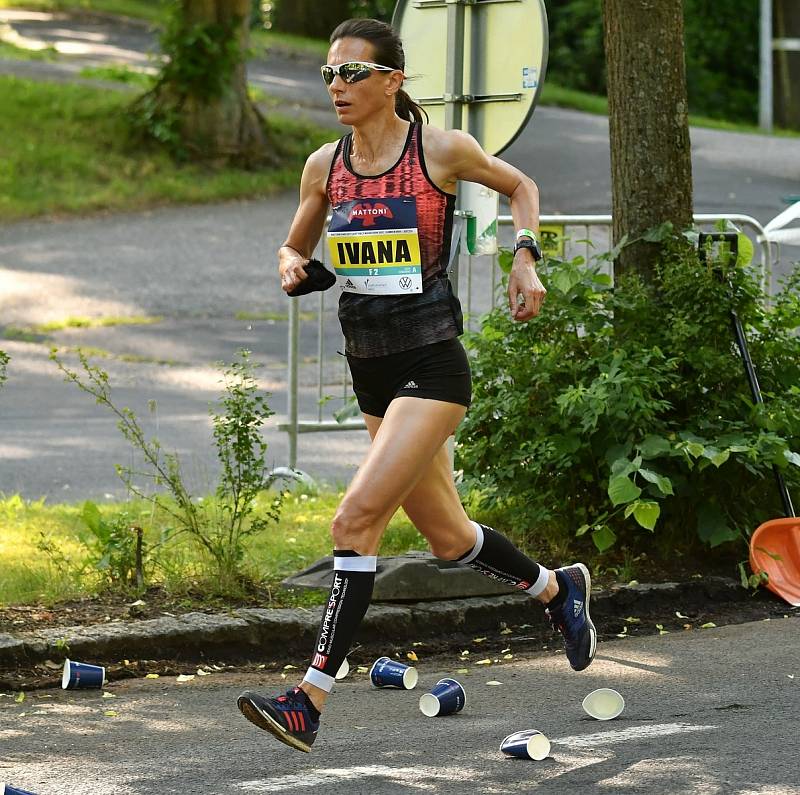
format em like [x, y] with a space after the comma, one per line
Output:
[603, 704]
[344, 669]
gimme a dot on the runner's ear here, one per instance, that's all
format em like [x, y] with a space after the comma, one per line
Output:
[318, 278]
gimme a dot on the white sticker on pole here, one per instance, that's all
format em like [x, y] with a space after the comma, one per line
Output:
[483, 205]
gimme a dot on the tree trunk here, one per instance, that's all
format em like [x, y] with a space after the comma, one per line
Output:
[651, 166]
[221, 126]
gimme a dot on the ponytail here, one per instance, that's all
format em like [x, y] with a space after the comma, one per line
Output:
[407, 109]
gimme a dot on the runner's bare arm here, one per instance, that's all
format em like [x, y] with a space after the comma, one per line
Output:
[309, 220]
[453, 155]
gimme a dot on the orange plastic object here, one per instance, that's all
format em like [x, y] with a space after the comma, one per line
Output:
[775, 549]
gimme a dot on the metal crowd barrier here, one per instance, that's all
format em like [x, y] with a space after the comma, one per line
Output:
[476, 279]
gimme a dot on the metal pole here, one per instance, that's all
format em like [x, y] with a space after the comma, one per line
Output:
[454, 73]
[292, 397]
[765, 82]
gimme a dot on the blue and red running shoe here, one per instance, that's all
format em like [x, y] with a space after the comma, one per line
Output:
[571, 616]
[287, 717]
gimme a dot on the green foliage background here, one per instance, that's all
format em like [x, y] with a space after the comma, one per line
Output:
[624, 412]
[721, 46]
[721, 53]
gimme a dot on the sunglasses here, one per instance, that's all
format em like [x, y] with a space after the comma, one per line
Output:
[352, 71]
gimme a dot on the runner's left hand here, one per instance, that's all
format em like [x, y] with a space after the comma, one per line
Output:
[526, 292]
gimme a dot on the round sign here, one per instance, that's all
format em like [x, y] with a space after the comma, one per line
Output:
[478, 66]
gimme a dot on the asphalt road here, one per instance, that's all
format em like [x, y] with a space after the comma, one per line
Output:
[712, 711]
[197, 267]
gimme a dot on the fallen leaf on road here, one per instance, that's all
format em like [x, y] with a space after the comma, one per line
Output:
[680, 615]
[633, 620]
[624, 633]
[111, 713]
[108, 695]
[505, 631]
[462, 670]
[494, 683]
[465, 652]
[688, 626]
[412, 655]
[487, 661]
[417, 643]
[152, 676]
[184, 678]
[289, 667]
[508, 656]
[362, 669]
[503, 651]
[661, 630]
[791, 676]
[478, 640]
[201, 672]
[708, 625]
[20, 698]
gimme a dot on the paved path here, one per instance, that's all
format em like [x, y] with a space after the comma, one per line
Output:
[711, 711]
[197, 267]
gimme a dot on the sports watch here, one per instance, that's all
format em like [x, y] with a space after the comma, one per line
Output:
[526, 238]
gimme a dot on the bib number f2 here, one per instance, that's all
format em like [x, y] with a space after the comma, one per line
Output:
[374, 246]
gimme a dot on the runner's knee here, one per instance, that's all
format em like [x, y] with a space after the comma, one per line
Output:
[355, 524]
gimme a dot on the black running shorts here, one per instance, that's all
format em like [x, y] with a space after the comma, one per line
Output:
[439, 371]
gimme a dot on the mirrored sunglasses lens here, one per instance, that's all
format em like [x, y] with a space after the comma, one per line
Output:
[353, 72]
[327, 74]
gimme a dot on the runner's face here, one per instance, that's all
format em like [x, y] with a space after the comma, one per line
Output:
[354, 102]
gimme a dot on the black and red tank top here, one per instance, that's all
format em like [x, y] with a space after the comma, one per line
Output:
[390, 241]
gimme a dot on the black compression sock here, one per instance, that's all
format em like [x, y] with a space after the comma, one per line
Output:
[349, 598]
[496, 557]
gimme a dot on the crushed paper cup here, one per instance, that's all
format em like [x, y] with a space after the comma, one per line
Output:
[603, 704]
[528, 744]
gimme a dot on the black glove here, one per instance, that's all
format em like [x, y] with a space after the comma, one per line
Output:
[318, 277]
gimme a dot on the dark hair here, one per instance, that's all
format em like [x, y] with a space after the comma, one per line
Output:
[388, 52]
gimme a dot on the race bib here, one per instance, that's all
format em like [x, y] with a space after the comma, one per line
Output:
[374, 246]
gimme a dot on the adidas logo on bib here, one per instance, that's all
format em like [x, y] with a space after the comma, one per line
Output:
[411, 385]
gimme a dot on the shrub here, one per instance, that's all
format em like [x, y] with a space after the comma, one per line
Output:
[623, 410]
[220, 526]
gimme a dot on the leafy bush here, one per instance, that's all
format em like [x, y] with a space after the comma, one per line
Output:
[625, 409]
[220, 526]
[117, 547]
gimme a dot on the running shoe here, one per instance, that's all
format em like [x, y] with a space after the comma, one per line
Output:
[286, 717]
[571, 617]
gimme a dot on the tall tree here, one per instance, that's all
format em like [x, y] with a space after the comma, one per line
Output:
[199, 104]
[651, 166]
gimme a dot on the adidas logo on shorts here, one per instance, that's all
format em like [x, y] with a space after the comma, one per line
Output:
[411, 385]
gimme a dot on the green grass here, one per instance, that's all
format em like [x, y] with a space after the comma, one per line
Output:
[44, 548]
[149, 10]
[94, 322]
[67, 150]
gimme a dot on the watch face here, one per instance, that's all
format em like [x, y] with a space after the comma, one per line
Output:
[529, 244]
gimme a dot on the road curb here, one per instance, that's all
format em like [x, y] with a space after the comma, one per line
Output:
[253, 633]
